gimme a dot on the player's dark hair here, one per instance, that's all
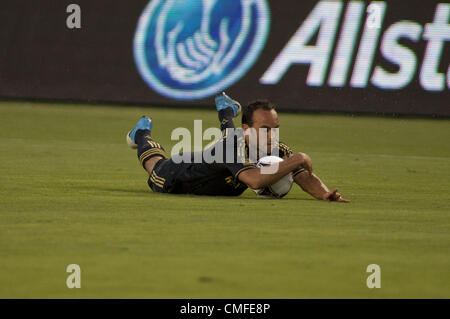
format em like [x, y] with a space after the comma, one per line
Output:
[247, 112]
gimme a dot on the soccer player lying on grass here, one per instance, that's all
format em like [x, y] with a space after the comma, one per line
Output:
[226, 178]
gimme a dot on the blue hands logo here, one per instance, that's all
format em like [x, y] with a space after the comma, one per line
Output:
[192, 49]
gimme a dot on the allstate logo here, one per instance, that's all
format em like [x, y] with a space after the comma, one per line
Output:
[191, 49]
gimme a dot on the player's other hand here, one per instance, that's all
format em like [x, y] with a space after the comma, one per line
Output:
[334, 196]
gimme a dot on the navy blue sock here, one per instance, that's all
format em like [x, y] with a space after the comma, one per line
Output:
[147, 147]
[226, 118]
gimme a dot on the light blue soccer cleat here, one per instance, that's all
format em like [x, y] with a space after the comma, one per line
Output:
[223, 101]
[144, 123]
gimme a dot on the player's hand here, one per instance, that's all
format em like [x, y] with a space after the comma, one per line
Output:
[334, 196]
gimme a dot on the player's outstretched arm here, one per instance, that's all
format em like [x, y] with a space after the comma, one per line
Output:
[257, 177]
[312, 184]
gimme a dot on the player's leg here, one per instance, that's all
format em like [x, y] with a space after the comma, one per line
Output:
[227, 109]
[150, 163]
[149, 152]
[152, 156]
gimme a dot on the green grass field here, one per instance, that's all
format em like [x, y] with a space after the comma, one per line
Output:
[71, 192]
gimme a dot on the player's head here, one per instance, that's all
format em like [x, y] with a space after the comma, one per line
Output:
[260, 114]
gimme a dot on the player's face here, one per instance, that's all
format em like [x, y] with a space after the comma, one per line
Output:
[265, 120]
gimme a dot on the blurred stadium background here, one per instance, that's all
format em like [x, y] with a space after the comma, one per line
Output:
[363, 87]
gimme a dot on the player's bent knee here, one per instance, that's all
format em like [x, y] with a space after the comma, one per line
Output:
[150, 163]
